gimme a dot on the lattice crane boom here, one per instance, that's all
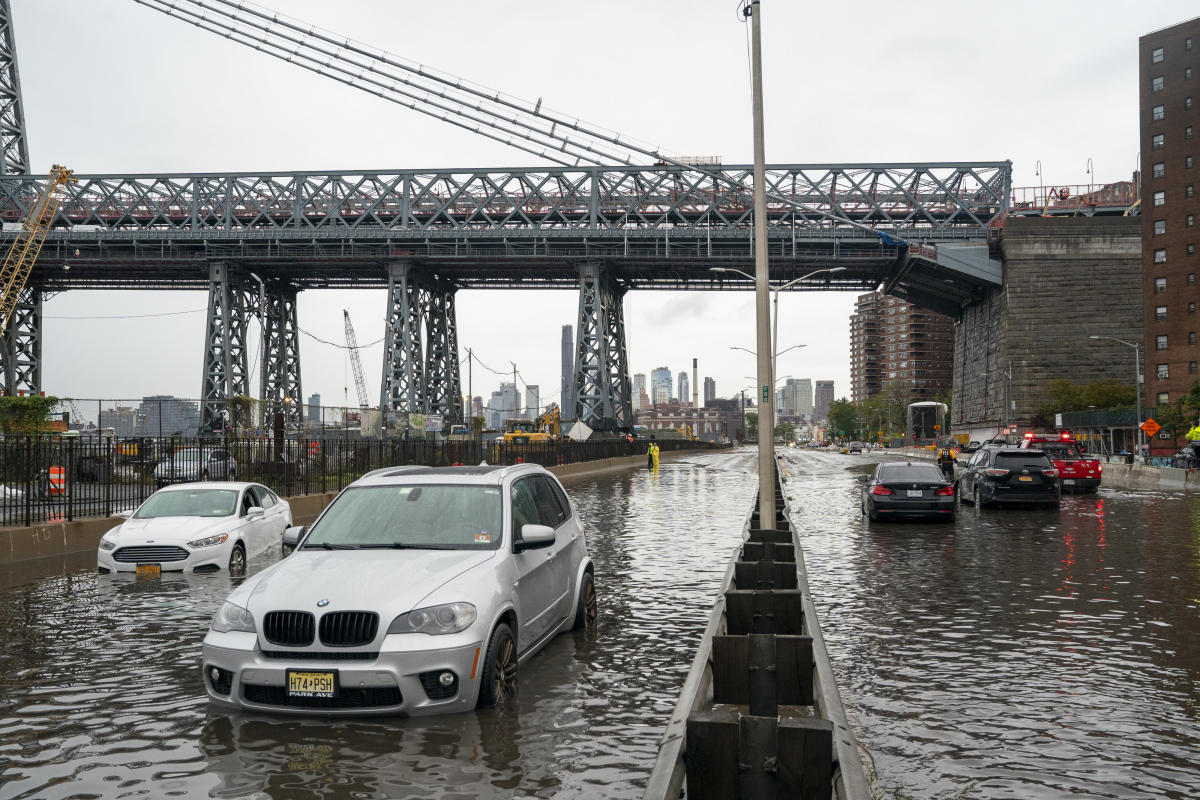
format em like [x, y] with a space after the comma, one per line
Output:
[25, 248]
[360, 385]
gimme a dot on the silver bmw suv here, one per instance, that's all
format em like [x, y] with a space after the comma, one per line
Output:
[418, 591]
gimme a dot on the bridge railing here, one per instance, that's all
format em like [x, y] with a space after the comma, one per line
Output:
[62, 478]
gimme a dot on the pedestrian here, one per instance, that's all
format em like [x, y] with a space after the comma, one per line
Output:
[650, 456]
[946, 461]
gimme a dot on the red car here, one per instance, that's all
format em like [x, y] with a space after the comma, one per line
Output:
[1077, 471]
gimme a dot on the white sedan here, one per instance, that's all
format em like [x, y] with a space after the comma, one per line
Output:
[195, 527]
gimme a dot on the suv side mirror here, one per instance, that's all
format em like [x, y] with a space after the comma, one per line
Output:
[255, 511]
[126, 514]
[534, 537]
[292, 535]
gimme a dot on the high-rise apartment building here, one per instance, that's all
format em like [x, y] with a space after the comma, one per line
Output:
[685, 395]
[660, 385]
[710, 392]
[894, 343]
[639, 390]
[866, 349]
[533, 409]
[794, 398]
[506, 404]
[566, 394]
[1170, 124]
[824, 399]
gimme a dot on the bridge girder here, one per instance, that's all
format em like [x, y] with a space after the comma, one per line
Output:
[226, 374]
[280, 387]
[602, 389]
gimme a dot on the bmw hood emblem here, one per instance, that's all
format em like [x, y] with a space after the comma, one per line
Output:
[322, 603]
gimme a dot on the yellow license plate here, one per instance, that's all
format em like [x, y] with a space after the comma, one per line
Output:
[149, 570]
[1025, 478]
[311, 684]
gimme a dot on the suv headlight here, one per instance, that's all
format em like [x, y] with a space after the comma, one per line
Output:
[209, 541]
[435, 620]
[233, 618]
[107, 543]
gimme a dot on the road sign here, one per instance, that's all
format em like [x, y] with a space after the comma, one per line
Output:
[1151, 427]
[937, 427]
[766, 394]
[433, 424]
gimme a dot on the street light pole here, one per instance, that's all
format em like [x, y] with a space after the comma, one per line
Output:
[1137, 385]
[766, 432]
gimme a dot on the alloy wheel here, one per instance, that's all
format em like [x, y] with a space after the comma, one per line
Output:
[504, 672]
[237, 559]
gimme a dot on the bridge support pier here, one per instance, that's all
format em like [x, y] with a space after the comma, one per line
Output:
[444, 387]
[281, 390]
[602, 390]
[225, 371]
[21, 346]
[420, 372]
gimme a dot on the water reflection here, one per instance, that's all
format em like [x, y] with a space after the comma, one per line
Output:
[1020, 652]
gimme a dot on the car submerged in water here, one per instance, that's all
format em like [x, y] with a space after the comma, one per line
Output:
[418, 591]
[907, 490]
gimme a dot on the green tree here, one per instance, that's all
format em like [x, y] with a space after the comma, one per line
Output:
[477, 426]
[843, 417]
[785, 431]
[25, 414]
[751, 425]
[1173, 420]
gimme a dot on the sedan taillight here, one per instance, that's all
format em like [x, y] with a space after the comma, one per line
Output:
[996, 472]
[1050, 473]
[881, 490]
[946, 490]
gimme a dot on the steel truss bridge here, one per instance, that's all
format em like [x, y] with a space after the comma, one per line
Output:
[254, 241]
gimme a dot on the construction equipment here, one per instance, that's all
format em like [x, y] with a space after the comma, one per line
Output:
[355, 364]
[548, 423]
[25, 248]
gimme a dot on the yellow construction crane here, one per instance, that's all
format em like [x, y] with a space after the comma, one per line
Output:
[25, 248]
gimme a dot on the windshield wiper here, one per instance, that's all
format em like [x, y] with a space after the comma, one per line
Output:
[406, 546]
[328, 546]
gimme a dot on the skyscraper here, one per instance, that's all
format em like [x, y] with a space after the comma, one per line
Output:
[803, 396]
[710, 391]
[566, 393]
[660, 385]
[639, 390]
[533, 409]
[824, 399]
[685, 396]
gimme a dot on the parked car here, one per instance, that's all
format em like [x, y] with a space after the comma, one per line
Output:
[906, 489]
[855, 447]
[195, 464]
[971, 447]
[1077, 471]
[418, 591]
[1009, 475]
[197, 527]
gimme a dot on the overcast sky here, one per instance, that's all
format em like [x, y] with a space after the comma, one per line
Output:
[111, 86]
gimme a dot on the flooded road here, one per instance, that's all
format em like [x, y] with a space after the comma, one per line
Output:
[101, 695]
[1013, 654]
[1016, 653]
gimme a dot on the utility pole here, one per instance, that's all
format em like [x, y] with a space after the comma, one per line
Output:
[469, 416]
[766, 415]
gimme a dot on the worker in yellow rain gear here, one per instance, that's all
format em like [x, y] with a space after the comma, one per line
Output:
[946, 461]
[656, 456]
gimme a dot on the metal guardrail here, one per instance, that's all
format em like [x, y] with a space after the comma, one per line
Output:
[811, 760]
[59, 479]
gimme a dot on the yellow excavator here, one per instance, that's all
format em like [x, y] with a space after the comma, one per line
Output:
[25, 248]
[525, 431]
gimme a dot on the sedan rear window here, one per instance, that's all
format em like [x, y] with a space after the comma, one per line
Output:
[189, 503]
[418, 516]
[915, 472]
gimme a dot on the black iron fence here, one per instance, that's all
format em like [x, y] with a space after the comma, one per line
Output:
[62, 478]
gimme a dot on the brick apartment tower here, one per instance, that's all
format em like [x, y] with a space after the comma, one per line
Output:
[894, 342]
[1169, 89]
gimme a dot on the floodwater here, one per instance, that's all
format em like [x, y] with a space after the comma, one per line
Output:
[101, 694]
[1018, 653]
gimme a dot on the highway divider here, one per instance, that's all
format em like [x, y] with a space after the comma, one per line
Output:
[759, 714]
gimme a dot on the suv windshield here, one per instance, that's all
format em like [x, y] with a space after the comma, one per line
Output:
[189, 503]
[436, 517]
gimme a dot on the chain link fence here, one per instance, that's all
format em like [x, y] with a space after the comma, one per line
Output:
[58, 478]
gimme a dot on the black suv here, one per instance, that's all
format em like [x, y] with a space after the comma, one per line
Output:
[1009, 475]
